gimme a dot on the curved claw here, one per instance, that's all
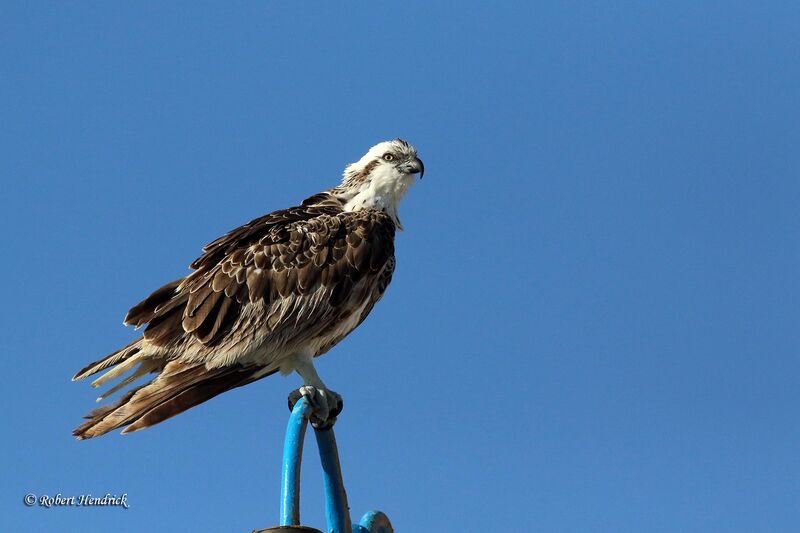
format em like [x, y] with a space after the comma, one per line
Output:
[294, 397]
[337, 407]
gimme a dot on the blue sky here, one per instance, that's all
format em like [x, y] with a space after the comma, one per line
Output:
[593, 322]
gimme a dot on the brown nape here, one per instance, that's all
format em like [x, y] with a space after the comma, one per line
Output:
[355, 179]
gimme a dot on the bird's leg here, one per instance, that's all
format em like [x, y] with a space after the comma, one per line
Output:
[326, 404]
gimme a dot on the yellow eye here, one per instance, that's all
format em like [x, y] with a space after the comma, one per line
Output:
[388, 157]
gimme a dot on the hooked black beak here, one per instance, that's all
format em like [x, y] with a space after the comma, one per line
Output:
[414, 167]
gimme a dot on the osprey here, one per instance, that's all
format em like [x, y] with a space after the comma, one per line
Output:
[267, 297]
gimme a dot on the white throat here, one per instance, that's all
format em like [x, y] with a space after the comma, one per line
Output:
[384, 191]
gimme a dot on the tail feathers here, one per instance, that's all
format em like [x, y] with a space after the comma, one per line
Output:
[84, 431]
[115, 358]
[147, 366]
[178, 388]
[190, 397]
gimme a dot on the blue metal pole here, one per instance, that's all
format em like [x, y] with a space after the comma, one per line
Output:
[292, 456]
[374, 522]
[337, 511]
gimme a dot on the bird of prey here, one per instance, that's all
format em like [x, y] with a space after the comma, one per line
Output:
[267, 297]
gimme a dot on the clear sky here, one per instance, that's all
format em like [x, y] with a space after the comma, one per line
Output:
[593, 325]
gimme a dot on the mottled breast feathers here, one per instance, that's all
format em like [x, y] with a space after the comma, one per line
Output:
[282, 258]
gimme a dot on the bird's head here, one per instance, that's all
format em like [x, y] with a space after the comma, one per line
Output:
[380, 179]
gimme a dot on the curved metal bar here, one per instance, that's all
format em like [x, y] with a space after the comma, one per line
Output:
[337, 511]
[374, 522]
[292, 457]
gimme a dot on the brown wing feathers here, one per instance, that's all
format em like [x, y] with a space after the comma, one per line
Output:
[292, 259]
[145, 311]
